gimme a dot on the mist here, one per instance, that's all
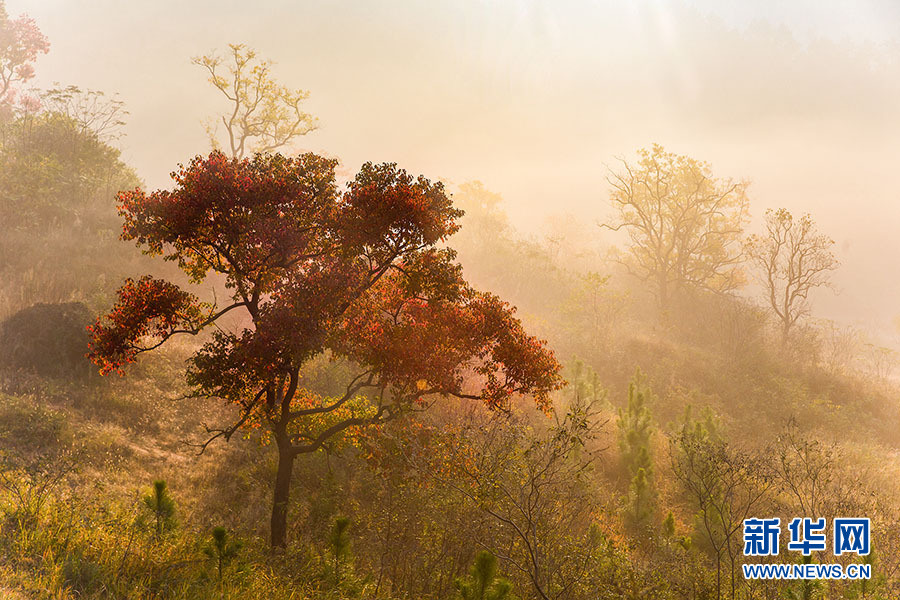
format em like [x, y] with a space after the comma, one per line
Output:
[534, 100]
[335, 384]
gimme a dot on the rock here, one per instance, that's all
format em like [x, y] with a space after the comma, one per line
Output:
[48, 339]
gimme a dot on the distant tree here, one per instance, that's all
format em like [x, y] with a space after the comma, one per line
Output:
[584, 384]
[91, 112]
[594, 313]
[20, 44]
[483, 582]
[841, 347]
[262, 115]
[353, 275]
[58, 177]
[880, 361]
[738, 326]
[58, 224]
[635, 432]
[792, 259]
[684, 224]
[486, 246]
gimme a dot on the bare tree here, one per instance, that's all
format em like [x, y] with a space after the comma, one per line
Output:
[880, 362]
[263, 115]
[726, 486]
[88, 110]
[532, 488]
[29, 484]
[805, 470]
[841, 347]
[793, 258]
[684, 224]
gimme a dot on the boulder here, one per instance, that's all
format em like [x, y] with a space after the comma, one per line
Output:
[48, 339]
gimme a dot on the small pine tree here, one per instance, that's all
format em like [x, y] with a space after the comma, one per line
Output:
[483, 582]
[221, 549]
[669, 532]
[669, 526]
[642, 500]
[585, 383]
[704, 430]
[805, 589]
[869, 589]
[339, 541]
[635, 433]
[161, 506]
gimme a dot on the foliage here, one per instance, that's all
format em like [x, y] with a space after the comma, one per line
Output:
[584, 384]
[356, 274]
[57, 179]
[346, 310]
[89, 551]
[57, 182]
[20, 44]
[30, 484]
[725, 486]
[635, 432]
[684, 225]
[90, 111]
[595, 311]
[403, 484]
[636, 428]
[339, 542]
[532, 484]
[263, 116]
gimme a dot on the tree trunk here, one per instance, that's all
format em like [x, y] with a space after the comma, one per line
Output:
[663, 291]
[785, 333]
[281, 496]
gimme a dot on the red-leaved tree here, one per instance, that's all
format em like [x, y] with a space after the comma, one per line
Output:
[356, 274]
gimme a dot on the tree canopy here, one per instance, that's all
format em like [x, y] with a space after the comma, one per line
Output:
[356, 274]
[262, 114]
[20, 44]
[683, 223]
[58, 180]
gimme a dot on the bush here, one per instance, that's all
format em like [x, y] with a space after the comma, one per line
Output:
[49, 339]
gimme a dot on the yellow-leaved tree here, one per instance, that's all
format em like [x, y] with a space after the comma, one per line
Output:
[683, 223]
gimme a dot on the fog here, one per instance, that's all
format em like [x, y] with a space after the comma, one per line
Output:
[637, 321]
[535, 99]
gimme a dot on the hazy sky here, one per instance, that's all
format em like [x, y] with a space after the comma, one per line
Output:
[534, 98]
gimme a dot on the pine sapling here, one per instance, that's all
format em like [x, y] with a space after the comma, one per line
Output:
[483, 582]
[161, 506]
[339, 541]
[635, 433]
[222, 549]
